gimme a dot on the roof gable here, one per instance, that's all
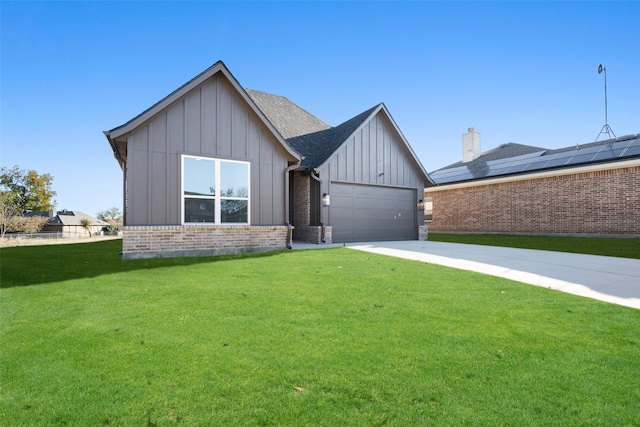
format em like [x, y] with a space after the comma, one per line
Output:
[119, 134]
[350, 127]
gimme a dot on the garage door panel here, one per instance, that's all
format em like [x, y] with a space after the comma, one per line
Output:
[370, 213]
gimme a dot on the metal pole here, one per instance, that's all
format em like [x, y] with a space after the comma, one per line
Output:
[606, 120]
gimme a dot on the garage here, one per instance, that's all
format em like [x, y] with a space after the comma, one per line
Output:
[366, 213]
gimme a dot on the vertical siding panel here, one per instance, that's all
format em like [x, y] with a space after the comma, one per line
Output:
[174, 184]
[366, 160]
[239, 121]
[277, 192]
[388, 141]
[225, 105]
[175, 128]
[357, 157]
[158, 189]
[209, 142]
[266, 148]
[158, 170]
[256, 193]
[393, 162]
[379, 153]
[253, 141]
[266, 202]
[158, 134]
[351, 160]
[192, 122]
[138, 160]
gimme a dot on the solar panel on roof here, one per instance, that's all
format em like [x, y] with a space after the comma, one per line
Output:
[583, 158]
[555, 162]
[633, 151]
[609, 150]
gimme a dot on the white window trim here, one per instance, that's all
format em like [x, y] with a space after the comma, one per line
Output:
[217, 199]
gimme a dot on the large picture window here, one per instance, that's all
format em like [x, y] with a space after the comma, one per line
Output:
[215, 191]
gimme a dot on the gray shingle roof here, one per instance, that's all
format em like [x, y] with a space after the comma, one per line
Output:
[288, 118]
[511, 159]
[318, 146]
[307, 134]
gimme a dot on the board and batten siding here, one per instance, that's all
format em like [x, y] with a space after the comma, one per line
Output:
[211, 120]
[374, 155]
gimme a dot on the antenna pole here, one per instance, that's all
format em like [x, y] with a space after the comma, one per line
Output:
[606, 128]
[606, 121]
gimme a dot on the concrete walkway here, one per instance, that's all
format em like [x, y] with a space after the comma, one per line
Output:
[610, 279]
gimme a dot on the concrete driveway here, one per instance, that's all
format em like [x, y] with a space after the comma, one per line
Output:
[610, 279]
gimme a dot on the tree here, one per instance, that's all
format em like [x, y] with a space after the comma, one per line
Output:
[111, 216]
[7, 211]
[114, 217]
[27, 189]
[86, 224]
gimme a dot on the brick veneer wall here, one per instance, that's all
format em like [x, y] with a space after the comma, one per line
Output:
[200, 240]
[600, 202]
[301, 215]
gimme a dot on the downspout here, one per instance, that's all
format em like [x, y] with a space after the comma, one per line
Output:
[286, 202]
[314, 174]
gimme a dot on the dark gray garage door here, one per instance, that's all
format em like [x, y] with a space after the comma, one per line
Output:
[366, 213]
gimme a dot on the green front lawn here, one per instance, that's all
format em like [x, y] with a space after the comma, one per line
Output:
[625, 248]
[321, 337]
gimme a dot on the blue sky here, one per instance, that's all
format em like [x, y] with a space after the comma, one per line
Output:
[522, 72]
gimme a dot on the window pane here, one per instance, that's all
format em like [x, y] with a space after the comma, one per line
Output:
[199, 210]
[234, 179]
[199, 177]
[233, 211]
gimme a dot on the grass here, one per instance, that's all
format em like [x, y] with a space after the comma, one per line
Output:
[322, 337]
[625, 248]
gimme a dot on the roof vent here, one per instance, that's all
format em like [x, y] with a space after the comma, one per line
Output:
[470, 145]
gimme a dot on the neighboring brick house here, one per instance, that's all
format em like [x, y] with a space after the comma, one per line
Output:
[214, 169]
[590, 189]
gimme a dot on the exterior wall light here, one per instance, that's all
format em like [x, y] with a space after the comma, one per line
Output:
[326, 200]
[420, 204]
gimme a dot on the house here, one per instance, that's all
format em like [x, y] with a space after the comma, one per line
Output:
[69, 224]
[587, 189]
[215, 169]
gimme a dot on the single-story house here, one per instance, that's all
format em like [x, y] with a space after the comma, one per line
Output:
[213, 168]
[69, 223]
[586, 189]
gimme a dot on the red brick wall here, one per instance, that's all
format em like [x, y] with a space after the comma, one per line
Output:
[601, 202]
